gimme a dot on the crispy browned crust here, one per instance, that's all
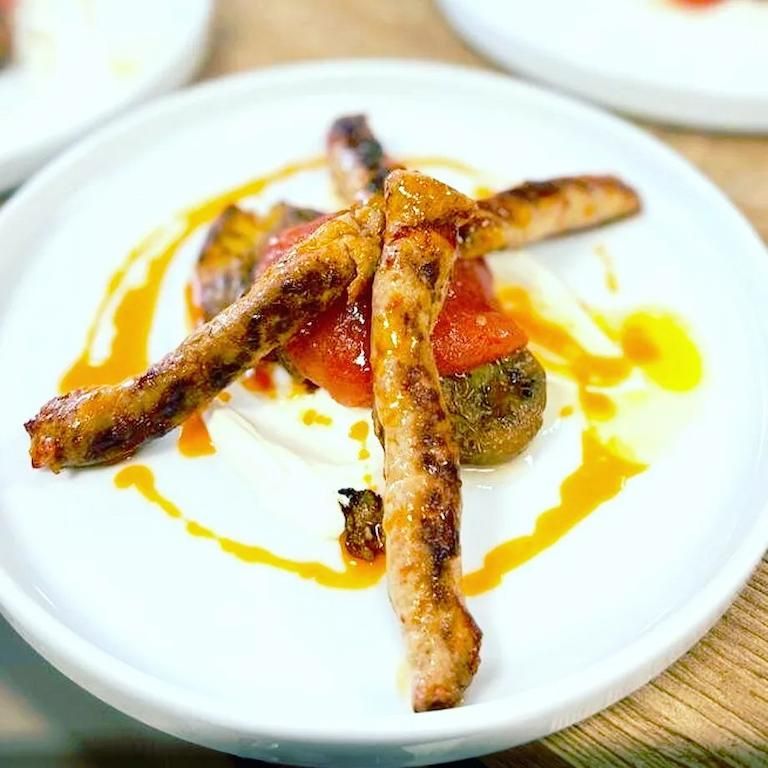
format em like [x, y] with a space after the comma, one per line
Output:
[108, 423]
[541, 209]
[422, 495]
[357, 160]
[234, 246]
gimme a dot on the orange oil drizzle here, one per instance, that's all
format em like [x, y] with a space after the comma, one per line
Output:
[653, 341]
[601, 476]
[359, 431]
[194, 439]
[134, 313]
[357, 574]
[311, 417]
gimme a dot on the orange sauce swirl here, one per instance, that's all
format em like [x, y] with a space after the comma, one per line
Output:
[357, 574]
[600, 476]
[134, 313]
[654, 341]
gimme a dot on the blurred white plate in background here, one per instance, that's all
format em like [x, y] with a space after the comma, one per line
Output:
[77, 62]
[661, 59]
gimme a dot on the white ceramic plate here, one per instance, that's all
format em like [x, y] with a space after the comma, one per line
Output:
[252, 660]
[700, 67]
[77, 63]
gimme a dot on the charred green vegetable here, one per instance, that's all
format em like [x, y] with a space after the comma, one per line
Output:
[363, 531]
[496, 408]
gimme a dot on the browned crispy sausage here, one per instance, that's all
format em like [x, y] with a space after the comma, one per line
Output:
[108, 423]
[356, 158]
[512, 218]
[537, 210]
[235, 244]
[422, 495]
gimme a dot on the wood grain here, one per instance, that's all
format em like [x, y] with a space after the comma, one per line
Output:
[711, 708]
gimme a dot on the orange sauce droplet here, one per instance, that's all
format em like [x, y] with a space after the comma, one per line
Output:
[600, 476]
[194, 439]
[224, 396]
[356, 574]
[311, 417]
[134, 312]
[359, 431]
[566, 411]
[659, 344]
[260, 379]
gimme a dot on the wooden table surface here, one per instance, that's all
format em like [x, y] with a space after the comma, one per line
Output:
[711, 707]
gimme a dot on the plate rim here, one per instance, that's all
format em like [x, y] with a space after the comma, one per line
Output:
[643, 98]
[540, 710]
[185, 58]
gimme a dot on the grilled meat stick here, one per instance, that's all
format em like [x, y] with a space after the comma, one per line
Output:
[533, 211]
[104, 424]
[422, 495]
[538, 210]
[356, 158]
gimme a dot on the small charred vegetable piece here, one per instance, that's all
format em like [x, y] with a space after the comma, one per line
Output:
[496, 409]
[363, 531]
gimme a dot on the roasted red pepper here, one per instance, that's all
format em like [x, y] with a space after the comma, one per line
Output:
[332, 351]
